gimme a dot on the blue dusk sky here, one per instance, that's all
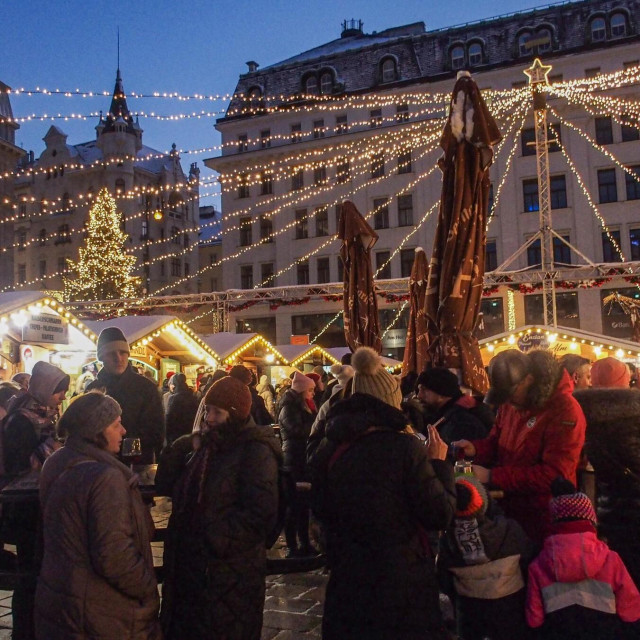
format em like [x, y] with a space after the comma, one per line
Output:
[195, 47]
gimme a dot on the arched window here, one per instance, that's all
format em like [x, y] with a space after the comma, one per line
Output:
[523, 39]
[598, 30]
[457, 57]
[389, 70]
[326, 83]
[475, 54]
[544, 35]
[311, 86]
[618, 25]
[120, 186]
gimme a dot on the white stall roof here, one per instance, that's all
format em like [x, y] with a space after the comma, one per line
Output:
[225, 343]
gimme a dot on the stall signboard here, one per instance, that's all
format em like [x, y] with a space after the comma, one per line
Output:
[300, 339]
[531, 340]
[46, 328]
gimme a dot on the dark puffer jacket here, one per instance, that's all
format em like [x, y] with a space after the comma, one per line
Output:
[377, 493]
[613, 448]
[295, 420]
[182, 409]
[97, 580]
[142, 414]
[215, 556]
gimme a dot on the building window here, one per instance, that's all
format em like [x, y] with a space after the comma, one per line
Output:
[243, 143]
[634, 240]
[618, 25]
[311, 86]
[66, 203]
[528, 140]
[22, 210]
[303, 272]
[266, 228]
[377, 166]
[342, 125]
[187, 269]
[457, 57]
[246, 276]
[383, 265]
[175, 235]
[265, 138]
[558, 186]
[607, 189]
[609, 251]
[302, 224]
[266, 183]
[598, 30]
[318, 129]
[389, 72]
[404, 162]
[322, 221]
[320, 175]
[42, 238]
[407, 257]
[63, 234]
[530, 194]
[326, 83]
[213, 284]
[342, 170]
[62, 264]
[144, 234]
[375, 118]
[245, 232]
[22, 239]
[381, 213]
[546, 40]
[296, 133]
[475, 54]
[523, 44]
[592, 72]
[297, 180]
[324, 274]
[491, 256]
[22, 273]
[402, 113]
[176, 267]
[42, 268]
[266, 274]
[633, 183]
[405, 210]
[604, 130]
[561, 252]
[243, 185]
[162, 268]
[120, 186]
[629, 128]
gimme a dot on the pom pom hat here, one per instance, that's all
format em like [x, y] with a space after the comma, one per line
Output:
[372, 378]
[301, 382]
[569, 505]
[342, 373]
[241, 373]
[471, 500]
[89, 414]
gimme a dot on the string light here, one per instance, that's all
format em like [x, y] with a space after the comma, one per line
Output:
[403, 306]
[511, 310]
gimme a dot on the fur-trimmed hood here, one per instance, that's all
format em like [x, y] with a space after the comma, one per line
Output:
[547, 373]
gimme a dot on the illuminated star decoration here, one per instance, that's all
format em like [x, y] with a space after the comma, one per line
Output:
[538, 72]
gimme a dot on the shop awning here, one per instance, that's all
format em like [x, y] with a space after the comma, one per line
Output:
[296, 354]
[234, 348]
[560, 340]
[161, 337]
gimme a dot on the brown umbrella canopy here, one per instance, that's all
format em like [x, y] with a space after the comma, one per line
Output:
[415, 348]
[456, 270]
[361, 327]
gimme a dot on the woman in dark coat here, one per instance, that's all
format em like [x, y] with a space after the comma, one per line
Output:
[296, 419]
[182, 408]
[377, 490]
[613, 447]
[224, 505]
[97, 578]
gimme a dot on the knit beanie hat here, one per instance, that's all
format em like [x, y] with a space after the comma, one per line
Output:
[440, 380]
[232, 395]
[240, 372]
[472, 499]
[110, 339]
[313, 376]
[610, 372]
[342, 373]
[372, 378]
[301, 382]
[89, 414]
[570, 504]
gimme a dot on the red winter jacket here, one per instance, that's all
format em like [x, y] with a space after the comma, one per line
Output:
[578, 569]
[528, 449]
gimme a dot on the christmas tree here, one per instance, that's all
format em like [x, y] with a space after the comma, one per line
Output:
[103, 268]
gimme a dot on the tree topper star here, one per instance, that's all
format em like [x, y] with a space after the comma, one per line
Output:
[538, 72]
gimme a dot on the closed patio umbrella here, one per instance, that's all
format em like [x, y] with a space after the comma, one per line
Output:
[361, 326]
[415, 348]
[456, 270]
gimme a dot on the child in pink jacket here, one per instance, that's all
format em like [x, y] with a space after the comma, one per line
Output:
[578, 587]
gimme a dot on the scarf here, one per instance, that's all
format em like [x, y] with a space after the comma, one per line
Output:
[466, 532]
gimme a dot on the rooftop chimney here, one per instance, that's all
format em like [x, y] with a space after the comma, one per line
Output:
[253, 66]
[351, 28]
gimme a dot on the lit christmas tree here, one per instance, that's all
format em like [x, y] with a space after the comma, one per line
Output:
[103, 268]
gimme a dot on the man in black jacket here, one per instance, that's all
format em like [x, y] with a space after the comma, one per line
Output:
[142, 414]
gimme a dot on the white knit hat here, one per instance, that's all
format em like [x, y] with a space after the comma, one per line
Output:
[372, 378]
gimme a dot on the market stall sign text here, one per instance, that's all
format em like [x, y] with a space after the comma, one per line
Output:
[45, 327]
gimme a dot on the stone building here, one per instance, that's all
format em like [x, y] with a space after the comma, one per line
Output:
[325, 109]
[158, 202]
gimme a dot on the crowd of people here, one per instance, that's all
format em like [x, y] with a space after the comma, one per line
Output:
[365, 464]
